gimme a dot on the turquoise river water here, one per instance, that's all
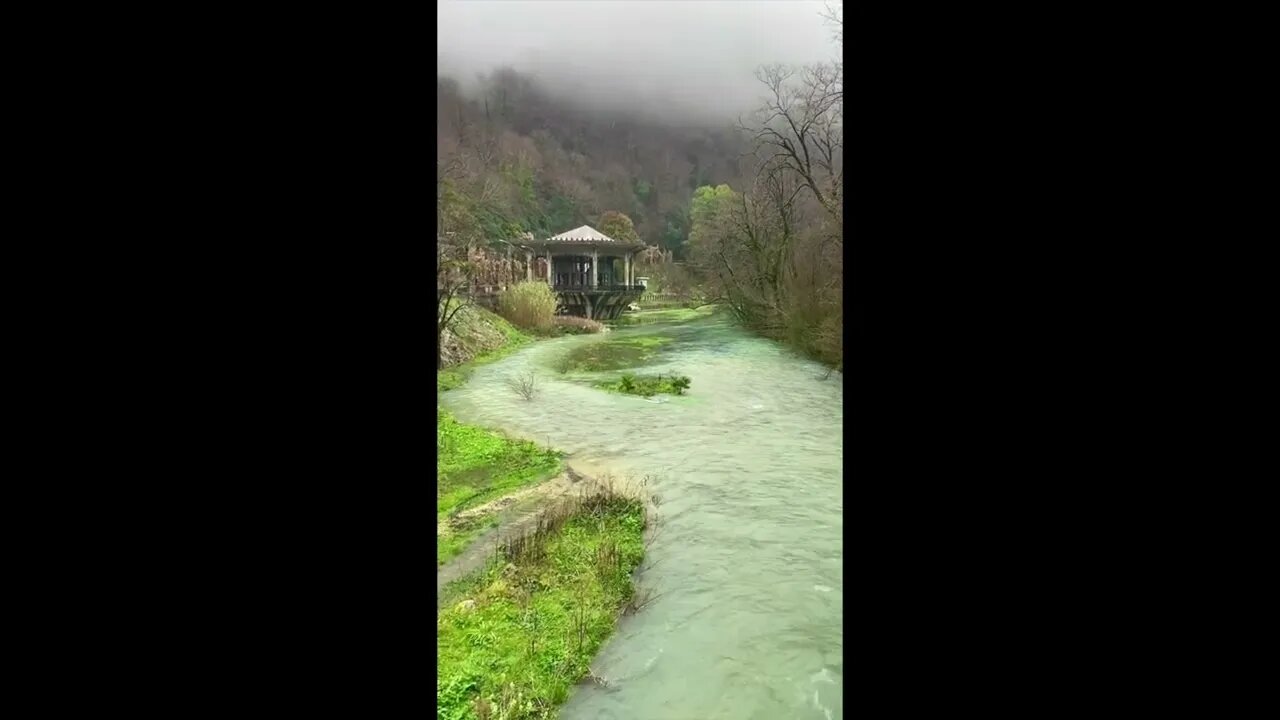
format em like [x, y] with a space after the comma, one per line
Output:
[745, 565]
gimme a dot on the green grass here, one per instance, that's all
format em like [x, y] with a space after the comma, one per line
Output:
[611, 354]
[539, 620]
[474, 465]
[646, 385]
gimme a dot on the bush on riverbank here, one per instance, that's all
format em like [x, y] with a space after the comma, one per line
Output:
[518, 635]
[529, 305]
[647, 385]
[474, 465]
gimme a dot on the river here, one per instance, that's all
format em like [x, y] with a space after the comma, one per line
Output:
[745, 564]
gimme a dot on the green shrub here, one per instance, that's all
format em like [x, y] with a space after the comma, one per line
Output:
[646, 385]
[680, 384]
[529, 305]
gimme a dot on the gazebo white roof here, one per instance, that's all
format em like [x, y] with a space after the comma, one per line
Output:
[588, 236]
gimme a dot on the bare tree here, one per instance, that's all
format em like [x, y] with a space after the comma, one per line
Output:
[800, 130]
[453, 275]
[772, 252]
[834, 15]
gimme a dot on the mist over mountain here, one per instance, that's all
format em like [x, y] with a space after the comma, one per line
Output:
[682, 62]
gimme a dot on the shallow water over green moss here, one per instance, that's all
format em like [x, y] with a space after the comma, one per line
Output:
[610, 353]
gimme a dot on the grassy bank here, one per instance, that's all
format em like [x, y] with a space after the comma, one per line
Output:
[475, 465]
[522, 632]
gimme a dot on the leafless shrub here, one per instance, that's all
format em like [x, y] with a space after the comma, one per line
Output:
[525, 384]
[641, 599]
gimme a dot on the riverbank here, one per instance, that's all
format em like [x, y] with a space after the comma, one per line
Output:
[473, 467]
[478, 470]
[519, 634]
[476, 338]
[534, 564]
[745, 474]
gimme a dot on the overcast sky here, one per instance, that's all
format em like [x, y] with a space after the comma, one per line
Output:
[693, 56]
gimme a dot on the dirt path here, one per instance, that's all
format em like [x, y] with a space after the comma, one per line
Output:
[548, 490]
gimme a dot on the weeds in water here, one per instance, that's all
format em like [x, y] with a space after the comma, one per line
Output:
[640, 600]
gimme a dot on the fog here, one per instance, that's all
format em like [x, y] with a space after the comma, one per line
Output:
[675, 60]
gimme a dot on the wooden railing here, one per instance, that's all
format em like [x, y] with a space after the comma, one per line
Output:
[598, 288]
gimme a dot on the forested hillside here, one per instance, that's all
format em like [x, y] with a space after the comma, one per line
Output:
[751, 211]
[513, 159]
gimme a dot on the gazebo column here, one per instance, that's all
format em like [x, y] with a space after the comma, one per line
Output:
[528, 265]
[626, 260]
[549, 263]
[595, 267]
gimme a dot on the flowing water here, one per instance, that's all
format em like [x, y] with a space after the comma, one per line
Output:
[745, 562]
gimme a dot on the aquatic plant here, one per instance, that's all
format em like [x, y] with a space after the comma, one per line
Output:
[647, 385]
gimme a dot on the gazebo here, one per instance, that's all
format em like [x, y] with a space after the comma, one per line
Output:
[592, 273]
